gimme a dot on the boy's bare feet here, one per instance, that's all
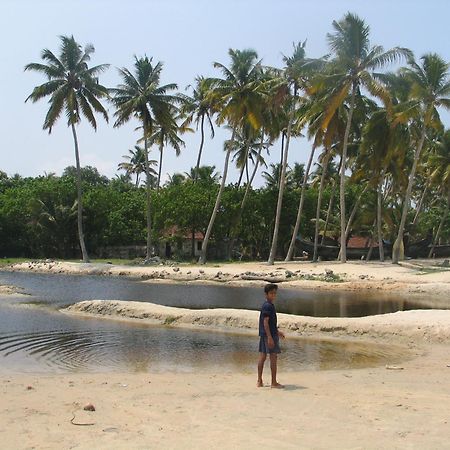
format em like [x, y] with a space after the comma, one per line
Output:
[259, 384]
[277, 386]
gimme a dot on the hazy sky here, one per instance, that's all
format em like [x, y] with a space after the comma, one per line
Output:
[187, 36]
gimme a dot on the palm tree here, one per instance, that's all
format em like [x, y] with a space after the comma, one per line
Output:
[136, 163]
[430, 89]
[353, 66]
[141, 96]
[240, 100]
[199, 107]
[74, 89]
[163, 135]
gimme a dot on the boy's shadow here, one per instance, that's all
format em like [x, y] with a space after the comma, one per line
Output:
[293, 387]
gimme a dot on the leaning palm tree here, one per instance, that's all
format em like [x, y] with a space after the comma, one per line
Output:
[240, 101]
[141, 96]
[74, 89]
[353, 67]
[430, 89]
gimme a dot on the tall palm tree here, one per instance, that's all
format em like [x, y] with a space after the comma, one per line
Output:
[353, 67]
[135, 163]
[74, 89]
[430, 89]
[143, 97]
[240, 101]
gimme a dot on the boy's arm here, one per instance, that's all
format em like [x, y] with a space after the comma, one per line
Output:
[270, 342]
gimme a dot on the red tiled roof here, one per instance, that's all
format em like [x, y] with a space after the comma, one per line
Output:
[174, 231]
[360, 242]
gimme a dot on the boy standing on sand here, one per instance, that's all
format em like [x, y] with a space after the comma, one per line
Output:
[269, 336]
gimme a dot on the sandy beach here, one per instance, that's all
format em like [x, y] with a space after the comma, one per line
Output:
[398, 406]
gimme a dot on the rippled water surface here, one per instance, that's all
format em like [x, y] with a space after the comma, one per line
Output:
[35, 337]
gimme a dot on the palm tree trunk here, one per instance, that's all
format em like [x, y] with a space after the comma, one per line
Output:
[419, 206]
[352, 216]
[343, 251]
[200, 150]
[202, 259]
[330, 207]
[149, 201]
[244, 166]
[397, 252]
[273, 248]
[237, 221]
[84, 252]
[369, 253]
[379, 224]
[300, 207]
[438, 232]
[161, 149]
[319, 204]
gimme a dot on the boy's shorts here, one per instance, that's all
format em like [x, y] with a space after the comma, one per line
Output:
[264, 346]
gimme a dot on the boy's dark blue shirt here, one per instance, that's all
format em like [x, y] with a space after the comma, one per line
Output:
[268, 310]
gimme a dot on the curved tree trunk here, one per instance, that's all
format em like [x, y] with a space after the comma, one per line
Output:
[244, 166]
[148, 201]
[84, 252]
[397, 250]
[282, 181]
[343, 251]
[202, 259]
[300, 207]
[200, 150]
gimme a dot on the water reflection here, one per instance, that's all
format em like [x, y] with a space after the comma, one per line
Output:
[56, 291]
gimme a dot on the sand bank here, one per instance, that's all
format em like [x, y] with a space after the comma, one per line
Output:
[340, 409]
[415, 278]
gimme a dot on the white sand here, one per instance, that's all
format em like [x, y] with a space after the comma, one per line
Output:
[340, 409]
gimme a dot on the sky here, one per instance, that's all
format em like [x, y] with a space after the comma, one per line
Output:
[187, 36]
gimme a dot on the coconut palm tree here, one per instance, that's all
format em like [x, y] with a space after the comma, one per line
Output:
[240, 102]
[135, 163]
[430, 89]
[353, 67]
[74, 89]
[197, 108]
[143, 97]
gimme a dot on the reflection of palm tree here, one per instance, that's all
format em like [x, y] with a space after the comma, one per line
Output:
[73, 87]
[430, 89]
[141, 96]
[352, 67]
[136, 163]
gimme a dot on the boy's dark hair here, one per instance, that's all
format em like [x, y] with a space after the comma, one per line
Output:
[270, 287]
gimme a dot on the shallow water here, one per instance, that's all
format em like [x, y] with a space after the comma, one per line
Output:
[39, 340]
[57, 291]
[35, 337]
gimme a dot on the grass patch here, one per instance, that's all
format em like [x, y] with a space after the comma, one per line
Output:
[170, 320]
